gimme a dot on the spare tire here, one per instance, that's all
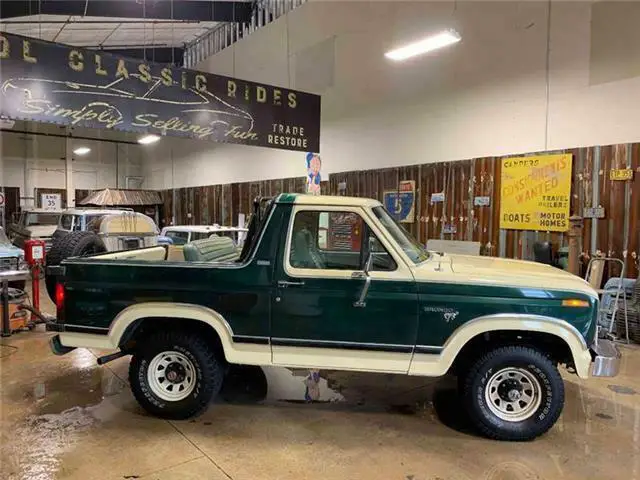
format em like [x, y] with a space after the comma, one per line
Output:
[80, 244]
[74, 244]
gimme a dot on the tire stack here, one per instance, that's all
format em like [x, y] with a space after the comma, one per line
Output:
[74, 244]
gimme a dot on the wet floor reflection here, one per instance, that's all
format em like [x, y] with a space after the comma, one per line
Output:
[54, 411]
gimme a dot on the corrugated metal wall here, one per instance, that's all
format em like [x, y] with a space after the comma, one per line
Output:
[618, 234]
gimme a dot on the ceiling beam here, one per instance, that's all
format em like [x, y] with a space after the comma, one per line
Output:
[199, 10]
[166, 55]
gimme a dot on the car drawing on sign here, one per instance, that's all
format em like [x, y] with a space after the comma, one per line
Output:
[365, 297]
[201, 108]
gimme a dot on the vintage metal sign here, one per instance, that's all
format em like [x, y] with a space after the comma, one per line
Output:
[401, 203]
[593, 212]
[50, 82]
[621, 174]
[481, 201]
[535, 192]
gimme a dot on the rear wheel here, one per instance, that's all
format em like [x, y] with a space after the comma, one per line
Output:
[175, 375]
[513, 393]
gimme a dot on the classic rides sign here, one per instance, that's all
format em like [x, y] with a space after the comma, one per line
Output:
[49, 82]
[536, 192]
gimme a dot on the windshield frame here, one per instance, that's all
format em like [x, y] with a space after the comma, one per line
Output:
[30, 215]
[411, 247]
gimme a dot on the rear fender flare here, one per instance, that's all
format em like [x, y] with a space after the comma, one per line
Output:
[141, 311]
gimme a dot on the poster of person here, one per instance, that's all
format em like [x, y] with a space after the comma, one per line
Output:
[314, 165]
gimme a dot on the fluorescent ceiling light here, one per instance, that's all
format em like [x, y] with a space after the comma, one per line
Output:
[148, 139]
[82, 150]
[429, 44]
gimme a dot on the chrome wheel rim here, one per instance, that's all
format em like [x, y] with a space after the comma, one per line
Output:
[513, 394]
[171, 376]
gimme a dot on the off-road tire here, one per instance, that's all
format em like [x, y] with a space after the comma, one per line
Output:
[536, 364]
[80, 244]
[209, 374]
[73, 244]
[53, 255]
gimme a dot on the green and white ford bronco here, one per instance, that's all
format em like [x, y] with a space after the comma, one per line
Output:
[335, 283]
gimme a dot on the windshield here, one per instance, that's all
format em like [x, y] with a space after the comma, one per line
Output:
[38, 219]
[414, 250]
[3, 238]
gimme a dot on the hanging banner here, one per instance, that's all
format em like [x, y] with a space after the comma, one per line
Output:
[535, 193]
[401, 203]
[49, 82]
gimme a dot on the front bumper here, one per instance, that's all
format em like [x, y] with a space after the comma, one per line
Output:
[606, 359]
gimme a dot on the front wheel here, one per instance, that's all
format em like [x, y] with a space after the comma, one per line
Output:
[175, 375]
[513, 393]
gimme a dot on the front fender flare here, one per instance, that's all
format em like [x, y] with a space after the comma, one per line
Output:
[439, 364]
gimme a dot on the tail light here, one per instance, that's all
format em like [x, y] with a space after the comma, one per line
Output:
[59, 297]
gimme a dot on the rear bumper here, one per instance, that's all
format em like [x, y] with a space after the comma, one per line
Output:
[606, 359]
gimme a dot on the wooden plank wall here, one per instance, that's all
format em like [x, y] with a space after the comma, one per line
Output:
[618, 234]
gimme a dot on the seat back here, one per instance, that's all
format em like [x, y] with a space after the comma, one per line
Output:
[214, 249]
[595, 272]
[304, 253]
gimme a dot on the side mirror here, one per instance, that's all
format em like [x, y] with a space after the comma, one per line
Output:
[368, 264]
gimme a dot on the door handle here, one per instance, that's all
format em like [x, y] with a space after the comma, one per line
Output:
[285, 284]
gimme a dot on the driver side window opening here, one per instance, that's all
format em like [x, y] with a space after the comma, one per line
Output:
[335, 240]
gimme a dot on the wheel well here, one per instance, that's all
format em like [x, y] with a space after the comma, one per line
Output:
[551, 345]
[144, 327]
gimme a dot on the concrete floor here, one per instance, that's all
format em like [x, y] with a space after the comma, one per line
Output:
[65, 417]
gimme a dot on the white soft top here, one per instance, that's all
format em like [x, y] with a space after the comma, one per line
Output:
[201, 229]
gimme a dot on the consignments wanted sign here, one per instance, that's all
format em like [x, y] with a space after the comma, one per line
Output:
[535, 193]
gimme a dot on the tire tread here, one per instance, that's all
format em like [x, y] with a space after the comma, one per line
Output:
[475, 370]
[211, 385]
